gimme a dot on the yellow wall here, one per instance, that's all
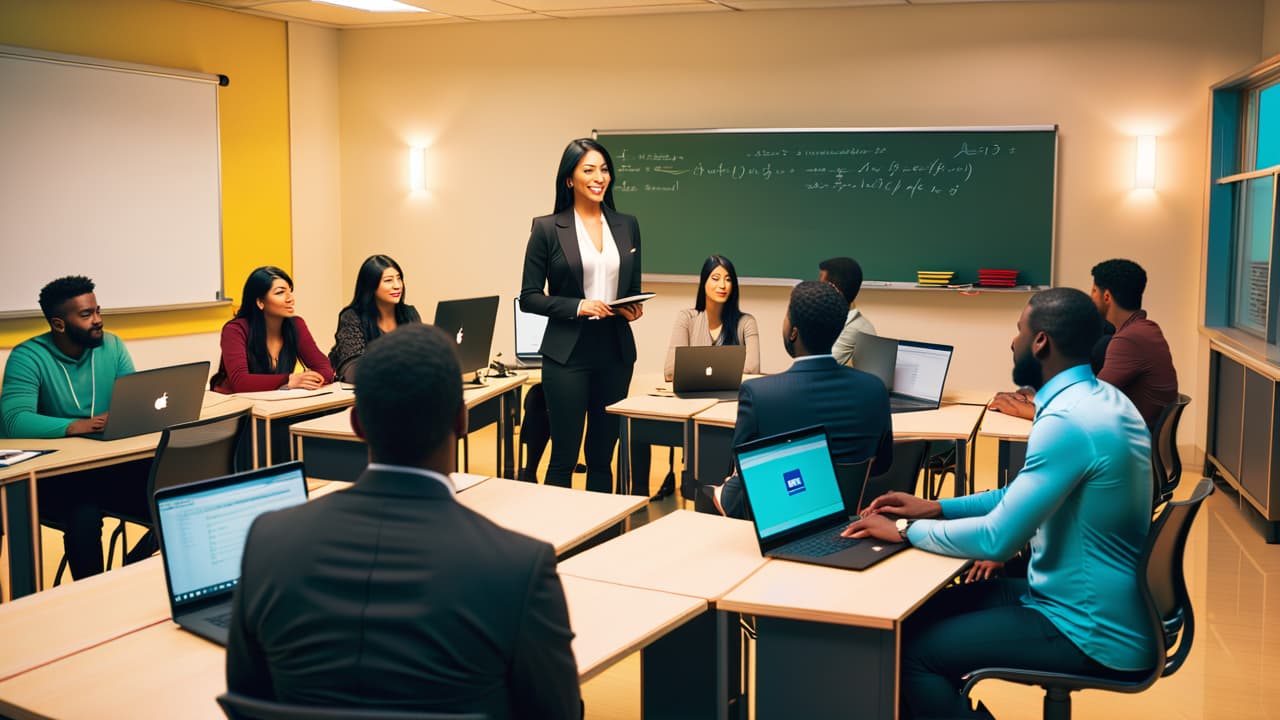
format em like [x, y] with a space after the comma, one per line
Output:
[253, 121]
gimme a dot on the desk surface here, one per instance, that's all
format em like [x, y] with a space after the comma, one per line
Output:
[878, 597]
[1005, 427]
[560, 516]
[335, 397]
[688, 553]
[78, 453]
[949, 422]
[723, 414]
[660, 407]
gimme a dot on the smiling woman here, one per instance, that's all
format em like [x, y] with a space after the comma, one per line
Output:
[579, 259]
[264, 343]
[377, 307]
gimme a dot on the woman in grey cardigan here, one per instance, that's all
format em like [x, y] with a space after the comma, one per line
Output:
[377, 307]
[715, 319]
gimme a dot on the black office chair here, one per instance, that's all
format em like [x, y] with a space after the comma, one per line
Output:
[1169, 614]
[903, 474]
[192, 451]
[852, 477]
[241, 707]
[1166, 464]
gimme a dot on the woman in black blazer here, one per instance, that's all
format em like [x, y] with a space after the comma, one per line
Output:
[585, 255]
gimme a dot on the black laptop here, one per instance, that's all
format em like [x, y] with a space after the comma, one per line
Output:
[913, 372]
[713, 371]
[152, 400]
[529, 330]
[798, 509]
[470, 322]
[202, 528]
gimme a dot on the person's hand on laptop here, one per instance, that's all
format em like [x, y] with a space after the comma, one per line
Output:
[86, 426]
[307, 380]
[877, 526]
[1019, 404]
[904, 505]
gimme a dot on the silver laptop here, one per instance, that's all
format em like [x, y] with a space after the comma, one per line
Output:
[913, 372]
[152, 400]
[709, 372]
[796, 503]
[470, 322]
[202, 528]
[529, 330]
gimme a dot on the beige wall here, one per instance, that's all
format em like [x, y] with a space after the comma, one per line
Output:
[1270, 28]
[496, 104]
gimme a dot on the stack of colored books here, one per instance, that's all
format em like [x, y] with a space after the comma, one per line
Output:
[997, 278]
[933, 278]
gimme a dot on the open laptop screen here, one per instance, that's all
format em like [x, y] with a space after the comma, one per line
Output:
[529, 331]
[205, 530]
[790, 483]
[921, 370]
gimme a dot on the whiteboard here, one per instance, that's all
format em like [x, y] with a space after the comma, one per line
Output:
[111, 171]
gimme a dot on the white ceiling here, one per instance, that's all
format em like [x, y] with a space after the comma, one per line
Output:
[454, 11]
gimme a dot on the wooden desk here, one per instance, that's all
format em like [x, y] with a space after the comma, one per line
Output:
[561, 516]
[843, 624]
[336, 453]
[1012, 433]
[162, 671]
[19, 501]
[268, 415]
[694, 554]
[657, 420]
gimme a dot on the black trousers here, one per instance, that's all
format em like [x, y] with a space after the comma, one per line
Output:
[75, 503]
[579, 390]
[969, 627]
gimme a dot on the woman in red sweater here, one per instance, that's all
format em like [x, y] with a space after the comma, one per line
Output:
[263, 344]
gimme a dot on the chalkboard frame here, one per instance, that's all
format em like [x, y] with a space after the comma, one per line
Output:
[597, 134]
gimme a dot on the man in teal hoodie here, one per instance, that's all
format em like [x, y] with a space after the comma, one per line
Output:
[59, 384]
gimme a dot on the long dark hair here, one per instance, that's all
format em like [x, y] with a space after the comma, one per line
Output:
[573, 153]
[730, 315]
[256, 286]
[364, 303]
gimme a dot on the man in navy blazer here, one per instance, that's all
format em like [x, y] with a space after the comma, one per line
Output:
[392, 595]
[815, 390]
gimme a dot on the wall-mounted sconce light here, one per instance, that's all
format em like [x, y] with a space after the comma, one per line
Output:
[1144, 166]
[417, 169]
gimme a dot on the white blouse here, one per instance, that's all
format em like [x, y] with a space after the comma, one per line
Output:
[599, 267]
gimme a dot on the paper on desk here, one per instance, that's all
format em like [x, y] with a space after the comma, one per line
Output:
[13, 457]
[293, 394]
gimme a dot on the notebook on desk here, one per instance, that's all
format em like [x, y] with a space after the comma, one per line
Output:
[709, 372]
[152, 400]
[202, 527]
[913, 372]
[798, 509]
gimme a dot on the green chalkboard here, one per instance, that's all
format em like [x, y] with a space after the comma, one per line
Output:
[779, 201]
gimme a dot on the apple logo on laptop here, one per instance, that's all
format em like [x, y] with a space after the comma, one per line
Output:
[162, 402]
[459, 338]
[708, 371]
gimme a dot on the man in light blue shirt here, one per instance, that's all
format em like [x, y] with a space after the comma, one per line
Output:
[1082, 501]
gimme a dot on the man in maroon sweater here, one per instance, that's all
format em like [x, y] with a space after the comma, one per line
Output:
[1137, 361]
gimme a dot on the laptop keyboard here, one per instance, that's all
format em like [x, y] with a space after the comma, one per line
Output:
[222, 621]
[819, 545]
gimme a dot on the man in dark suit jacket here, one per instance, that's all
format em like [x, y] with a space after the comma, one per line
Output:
[815, 390]
[392, 595]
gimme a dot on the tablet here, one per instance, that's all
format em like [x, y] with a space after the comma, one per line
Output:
[631, 299]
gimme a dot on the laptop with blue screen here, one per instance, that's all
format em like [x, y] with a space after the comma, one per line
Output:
[203, 527]
[798, 509]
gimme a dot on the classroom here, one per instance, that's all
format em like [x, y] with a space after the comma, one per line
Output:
[316, 124]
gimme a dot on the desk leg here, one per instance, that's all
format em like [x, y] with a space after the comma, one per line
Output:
[688, 485]
[679, 679]
[821, 670]
[510, 418]
[1011, 457]
[623, 485]
[22, 530]
[963, 468]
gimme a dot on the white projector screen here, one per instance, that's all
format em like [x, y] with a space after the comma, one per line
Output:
[110, 171]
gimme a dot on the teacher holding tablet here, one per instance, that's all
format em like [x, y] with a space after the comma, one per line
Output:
[586, 255]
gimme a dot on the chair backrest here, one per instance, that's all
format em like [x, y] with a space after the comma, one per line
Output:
[903, 475]
[241, 707]
[198, 450]
[1165, 590]
[1166, 464]
[852, 477]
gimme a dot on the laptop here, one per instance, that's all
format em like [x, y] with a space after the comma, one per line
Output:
[152, 400]
[470, 322]
[798, 509]
[709, 372]
[202, 528]
[529, 330]
[913, 372]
